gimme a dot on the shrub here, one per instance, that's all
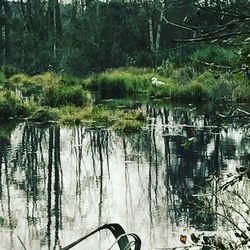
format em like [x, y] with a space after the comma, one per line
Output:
[70, 80]
[207, 79]
[190, 92]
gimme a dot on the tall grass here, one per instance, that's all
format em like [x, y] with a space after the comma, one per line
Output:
[119, 83]
[56, 96]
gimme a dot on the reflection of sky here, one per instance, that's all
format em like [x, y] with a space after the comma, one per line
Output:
[144, 193]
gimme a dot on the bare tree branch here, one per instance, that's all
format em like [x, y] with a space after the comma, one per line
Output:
[209, 38]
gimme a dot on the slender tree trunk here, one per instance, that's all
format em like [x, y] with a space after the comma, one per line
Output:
[158, 33]
[54, 34]
[155, 37]
[54, 25]
[151, 34]
[3, 33]
[4, 37]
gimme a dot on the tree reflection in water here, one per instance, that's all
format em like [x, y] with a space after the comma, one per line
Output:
[57, 183]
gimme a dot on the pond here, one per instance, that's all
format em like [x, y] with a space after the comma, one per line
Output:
[58, 183]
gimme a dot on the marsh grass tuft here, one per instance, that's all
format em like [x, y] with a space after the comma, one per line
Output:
[119, 82]
[56, 96]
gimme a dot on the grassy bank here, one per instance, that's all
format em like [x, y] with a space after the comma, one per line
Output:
[64, 98]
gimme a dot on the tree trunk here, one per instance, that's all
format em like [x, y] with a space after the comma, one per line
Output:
[4, 37]
[54, 25]
[151, 34]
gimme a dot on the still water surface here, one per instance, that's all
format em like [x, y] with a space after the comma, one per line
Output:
[58, 183]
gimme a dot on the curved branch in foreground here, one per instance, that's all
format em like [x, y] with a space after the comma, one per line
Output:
[118, 233]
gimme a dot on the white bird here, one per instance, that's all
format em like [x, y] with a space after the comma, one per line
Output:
[155, 82]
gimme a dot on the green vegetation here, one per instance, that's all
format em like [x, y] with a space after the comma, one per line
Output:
[52, 97]
[11, 106]
[119, 120]
[120, 82]
[44, 115]
[2, 78]
[216, 55]
[55, 96]
[66, 98]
